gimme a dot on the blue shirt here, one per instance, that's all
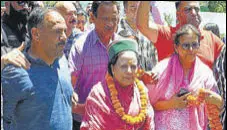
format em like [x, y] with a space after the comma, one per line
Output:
[38, 98]
[70, 40]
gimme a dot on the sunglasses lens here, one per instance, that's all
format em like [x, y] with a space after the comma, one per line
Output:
[186, 46]
[21, 3]
[195, 45]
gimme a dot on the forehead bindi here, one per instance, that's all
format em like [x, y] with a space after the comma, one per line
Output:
[127, 57]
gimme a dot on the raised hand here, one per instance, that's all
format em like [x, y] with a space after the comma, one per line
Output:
[15, 57]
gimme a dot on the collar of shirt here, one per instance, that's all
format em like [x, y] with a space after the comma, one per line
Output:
[126, 25]
[38, 61]
[200, 31]
[96, 38]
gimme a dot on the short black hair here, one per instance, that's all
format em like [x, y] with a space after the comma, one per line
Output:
[185, 30]
[96, 4]
[36, 18]
[177, 4]
[113, 61]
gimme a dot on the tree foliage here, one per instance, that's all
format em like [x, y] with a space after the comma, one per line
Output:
[50, 3]
[217, 6]
[168, 19]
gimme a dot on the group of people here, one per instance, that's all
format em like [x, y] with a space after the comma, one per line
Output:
[119, 74]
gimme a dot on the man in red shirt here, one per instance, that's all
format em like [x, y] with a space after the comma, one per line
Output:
[162, 36]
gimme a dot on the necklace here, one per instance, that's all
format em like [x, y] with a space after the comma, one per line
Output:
[118, 107]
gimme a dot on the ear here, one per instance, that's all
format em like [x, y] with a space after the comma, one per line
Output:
[35, 33]
[92, 16]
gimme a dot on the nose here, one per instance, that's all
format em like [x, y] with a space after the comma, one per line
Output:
[129, 70]
[109, 23]
[63, 37]
[190, 48]
[74, 16]
[193, 11]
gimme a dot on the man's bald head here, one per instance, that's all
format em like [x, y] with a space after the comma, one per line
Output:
[63, 7]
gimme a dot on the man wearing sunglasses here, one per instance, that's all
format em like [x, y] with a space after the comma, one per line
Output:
[14, 25]
[187, 12]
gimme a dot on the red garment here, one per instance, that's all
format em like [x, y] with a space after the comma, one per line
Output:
[100, 113]
[210, 44]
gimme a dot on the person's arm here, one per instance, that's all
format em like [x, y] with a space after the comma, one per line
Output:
[218, 46]
[213, 98]
[174, 102]
[142, 21]
[76, 107]
[16, 87]
[15, 57]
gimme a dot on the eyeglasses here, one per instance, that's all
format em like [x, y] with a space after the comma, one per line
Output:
[187, 46]
[22, 3]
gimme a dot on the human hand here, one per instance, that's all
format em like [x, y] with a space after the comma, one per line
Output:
[74, 99]
[179, 102]
[77, 107]
[213, 98]
[150, 78]
[16, 57]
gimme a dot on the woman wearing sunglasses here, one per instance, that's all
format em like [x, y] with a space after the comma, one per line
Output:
[180, 76]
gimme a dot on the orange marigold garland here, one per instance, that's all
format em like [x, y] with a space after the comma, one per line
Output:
[118, 107]
[213, 111]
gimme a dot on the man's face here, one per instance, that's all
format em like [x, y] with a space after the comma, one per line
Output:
[81, 20]
[188, 13]
[88, 9]
[131, 10]
[107, 20]
[19, 10]
[69, 14]
[52, 34]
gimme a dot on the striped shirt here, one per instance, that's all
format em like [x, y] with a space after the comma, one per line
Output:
[147, 52]
[88, 61]
[220, 75]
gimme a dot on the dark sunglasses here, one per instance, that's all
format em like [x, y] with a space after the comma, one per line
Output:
[187, 46]
[22, 3]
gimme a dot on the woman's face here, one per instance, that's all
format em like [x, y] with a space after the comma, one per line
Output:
[124, 71]
[188, 47]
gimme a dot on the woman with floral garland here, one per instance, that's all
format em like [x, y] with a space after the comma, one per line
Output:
[121, 101]
[184, 96]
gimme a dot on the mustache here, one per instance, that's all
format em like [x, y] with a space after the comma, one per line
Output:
[108, 28]
[61, 43]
